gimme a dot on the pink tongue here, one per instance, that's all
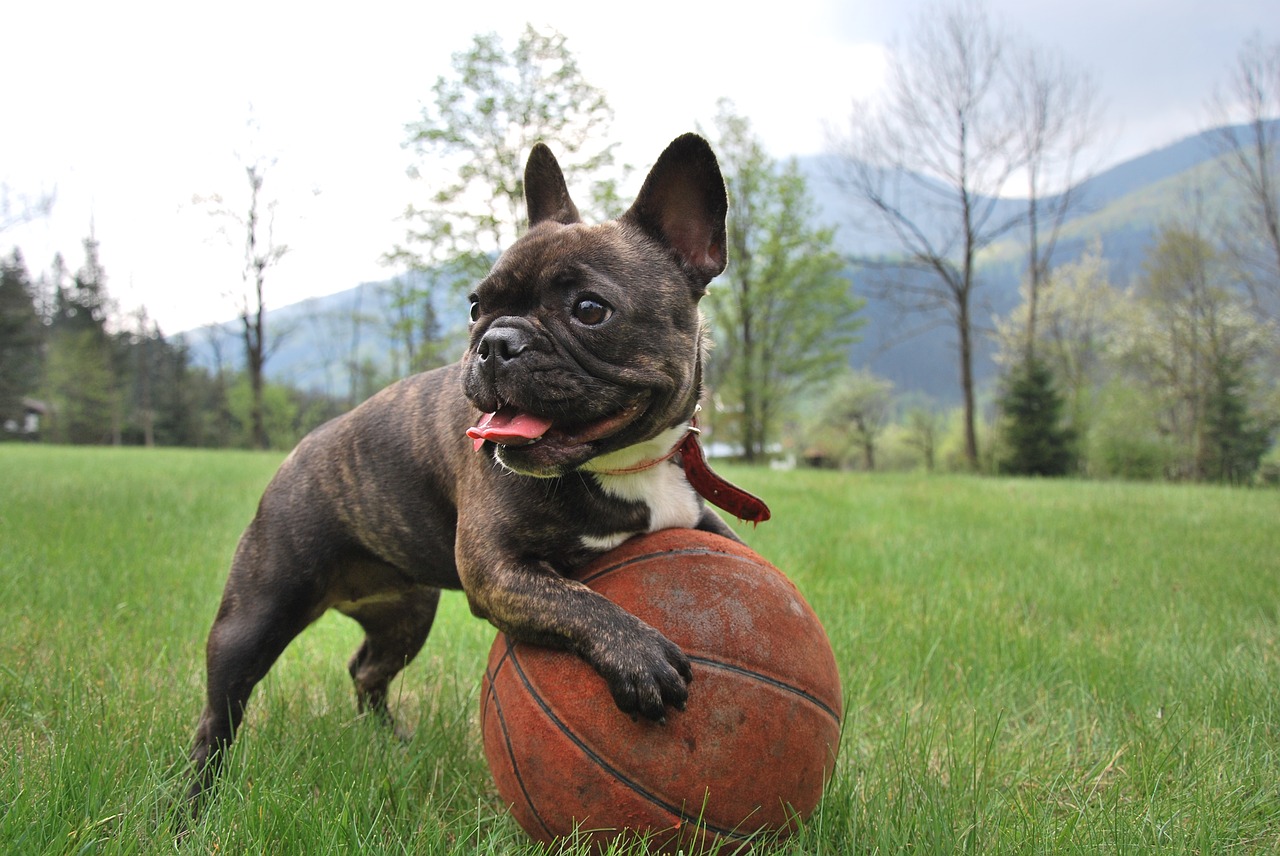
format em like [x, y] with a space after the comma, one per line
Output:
[508, 425]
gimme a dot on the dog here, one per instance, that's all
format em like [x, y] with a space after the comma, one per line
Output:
[566, 428]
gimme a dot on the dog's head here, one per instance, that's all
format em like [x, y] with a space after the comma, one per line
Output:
[586, 340]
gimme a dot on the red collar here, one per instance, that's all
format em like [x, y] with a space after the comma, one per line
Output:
[711, 487]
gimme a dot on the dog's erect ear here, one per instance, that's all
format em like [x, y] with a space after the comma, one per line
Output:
[683, 204]
[545, 192]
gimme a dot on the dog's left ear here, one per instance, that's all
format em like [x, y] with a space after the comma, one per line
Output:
[683, 205]
[545, 193]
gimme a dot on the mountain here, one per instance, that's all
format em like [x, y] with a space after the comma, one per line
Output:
[1121, 207]
[318, 343]
[321, 339]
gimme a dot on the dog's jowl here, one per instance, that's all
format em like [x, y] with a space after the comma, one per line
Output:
[566, 428]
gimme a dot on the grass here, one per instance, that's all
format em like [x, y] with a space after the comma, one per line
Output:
[1029, 667]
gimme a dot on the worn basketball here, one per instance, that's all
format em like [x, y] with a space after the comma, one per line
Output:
[749, 755]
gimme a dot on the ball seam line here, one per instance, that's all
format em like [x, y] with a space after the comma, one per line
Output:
[509, 655]
[680, 813]
[765, 679]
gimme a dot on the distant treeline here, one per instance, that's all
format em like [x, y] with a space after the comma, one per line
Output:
[74, 371]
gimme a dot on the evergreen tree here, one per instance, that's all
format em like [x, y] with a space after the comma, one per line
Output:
[1035, 440]
[82, 369]
[19, 338]
[1234, 440]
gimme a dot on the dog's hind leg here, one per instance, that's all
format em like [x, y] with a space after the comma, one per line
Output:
[395, 630]
[252, 628]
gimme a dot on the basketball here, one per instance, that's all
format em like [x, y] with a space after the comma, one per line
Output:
[748, 756]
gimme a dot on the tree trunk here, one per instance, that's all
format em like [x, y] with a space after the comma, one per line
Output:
[966, 384]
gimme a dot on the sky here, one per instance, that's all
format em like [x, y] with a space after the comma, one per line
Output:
[132, 112]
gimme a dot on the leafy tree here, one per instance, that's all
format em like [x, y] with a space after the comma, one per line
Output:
[923, 427]
[854, 414]
[783, 314]
[1195, 348]
[1036, 442]
[473, 139]
[19, 338]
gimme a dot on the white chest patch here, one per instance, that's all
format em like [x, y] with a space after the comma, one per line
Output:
[671, 501]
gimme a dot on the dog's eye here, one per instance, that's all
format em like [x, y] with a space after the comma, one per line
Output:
[592, 312]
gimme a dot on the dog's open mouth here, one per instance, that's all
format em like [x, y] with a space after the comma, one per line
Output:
[512, 427]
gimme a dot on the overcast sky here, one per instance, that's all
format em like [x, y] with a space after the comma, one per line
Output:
[130, 109]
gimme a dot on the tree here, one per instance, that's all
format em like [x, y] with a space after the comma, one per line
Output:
[1076, 310]
[923, 425]
[1055, 117]
[1235, 439]
[1036, 442]
[477, 133]
[411, 318]
[783, 316]
[82, 370]
[1195, 348]
[931, 160]
[19, 338]
[854, 414]
[1250, 158]
[261, 253]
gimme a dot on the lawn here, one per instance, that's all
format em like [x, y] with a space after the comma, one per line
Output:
[1028, 667]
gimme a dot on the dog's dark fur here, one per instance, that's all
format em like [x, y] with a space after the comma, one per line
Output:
[595, 328]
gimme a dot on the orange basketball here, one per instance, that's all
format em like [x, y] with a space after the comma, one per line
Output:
[753, 748]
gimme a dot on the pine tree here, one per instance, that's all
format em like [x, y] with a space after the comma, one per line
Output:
[82, 368]
[1233, 441]
[1035, 440]
[19, 338]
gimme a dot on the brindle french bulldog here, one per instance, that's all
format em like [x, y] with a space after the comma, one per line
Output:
[565, 429]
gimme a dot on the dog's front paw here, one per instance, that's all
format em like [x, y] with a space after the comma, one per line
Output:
[645, 672]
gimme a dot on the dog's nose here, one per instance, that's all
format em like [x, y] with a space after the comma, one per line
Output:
[502, 344]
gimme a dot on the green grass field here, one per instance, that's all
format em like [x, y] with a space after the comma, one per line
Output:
[1029, 667]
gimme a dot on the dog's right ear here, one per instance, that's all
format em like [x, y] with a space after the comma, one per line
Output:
[545, 193]
[683, 204]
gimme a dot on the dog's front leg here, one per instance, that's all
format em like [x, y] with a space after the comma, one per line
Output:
[531, 602]
[711, 522]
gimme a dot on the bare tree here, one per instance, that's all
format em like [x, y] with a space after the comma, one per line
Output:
[929, 162]
[1250, 156]
[261, 254]
[1056, 116]
[961, 117]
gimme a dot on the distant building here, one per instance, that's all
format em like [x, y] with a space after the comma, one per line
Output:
[29, 426]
